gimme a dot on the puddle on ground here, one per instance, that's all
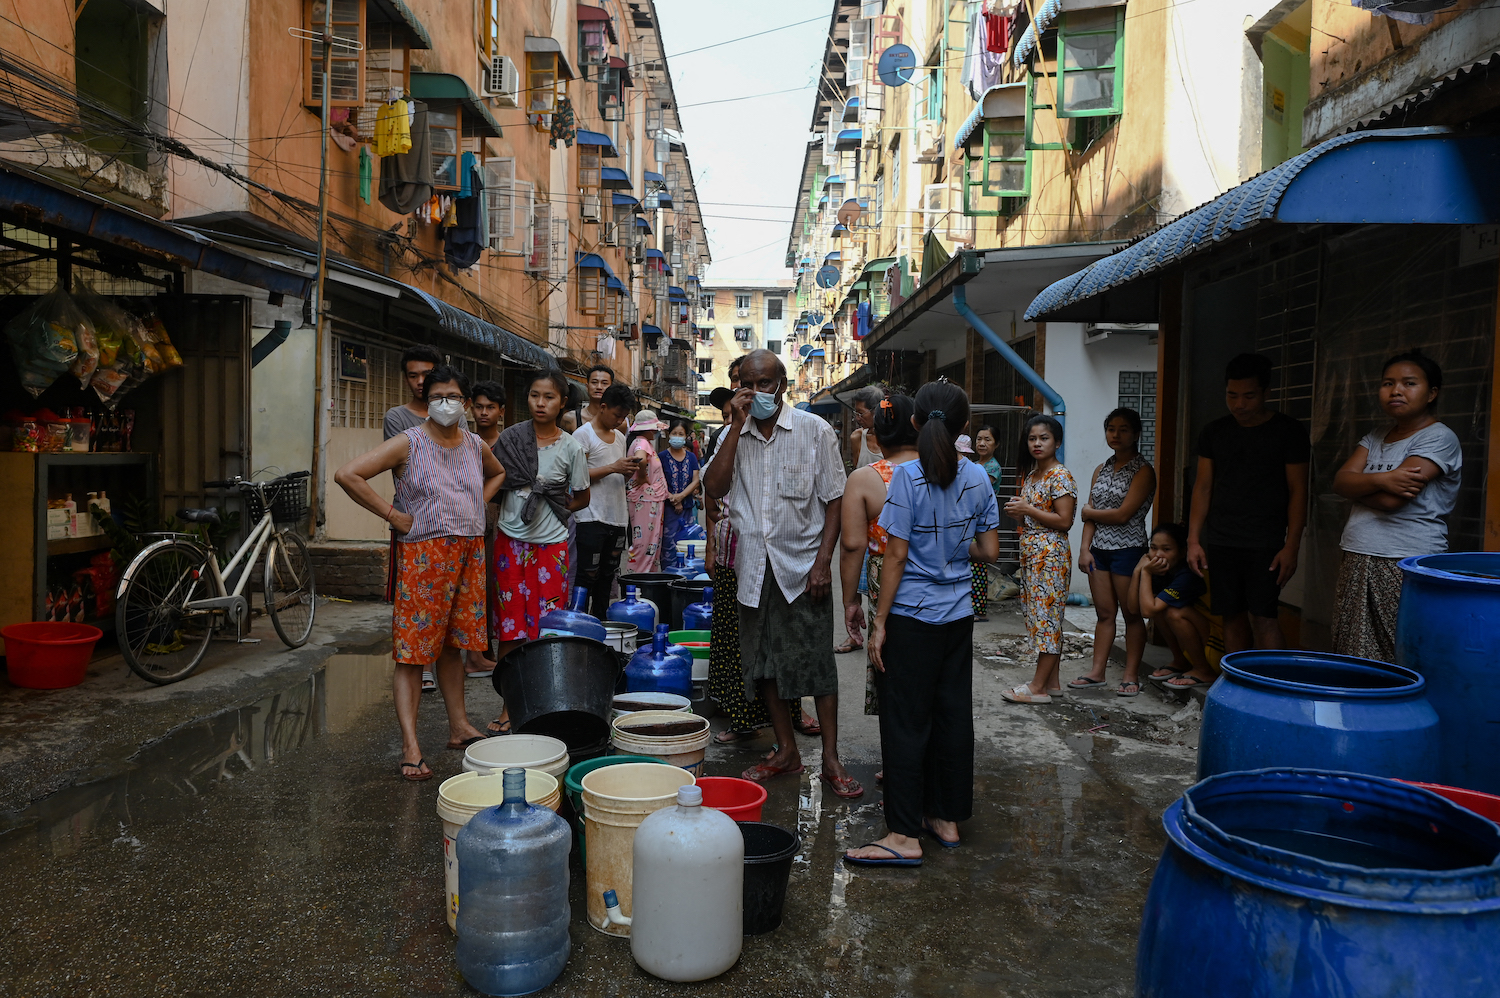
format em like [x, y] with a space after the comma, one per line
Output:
[176, 770]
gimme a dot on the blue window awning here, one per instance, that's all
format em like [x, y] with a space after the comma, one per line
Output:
[655, 254]
[613, 283]
[649, 330]
[835, 255]
[39, 204]
[833, 179]
[614, 179]
[641, 223]
[593, 260]
[851, 109]
[1045, 18]
[604, 142]
[623, 200]
[654, 178]
[822, 200]
[690, 279]
[848, 138]
[664, 200]
[1392, 176]
[675, 293]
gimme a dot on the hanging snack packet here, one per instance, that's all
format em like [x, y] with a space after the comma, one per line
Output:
[44, 339]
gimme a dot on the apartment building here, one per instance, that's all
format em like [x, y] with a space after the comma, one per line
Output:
[739, 316]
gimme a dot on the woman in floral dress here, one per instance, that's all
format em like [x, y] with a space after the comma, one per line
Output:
[647, 495]
[1044, 508]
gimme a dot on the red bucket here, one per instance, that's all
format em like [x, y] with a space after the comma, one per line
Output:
[1482, 804]
[48, 656]
[740, 799]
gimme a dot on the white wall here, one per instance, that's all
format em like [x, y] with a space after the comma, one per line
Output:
[209, 72]
[1088, 378]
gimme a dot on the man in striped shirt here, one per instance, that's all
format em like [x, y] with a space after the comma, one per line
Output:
[784, 477]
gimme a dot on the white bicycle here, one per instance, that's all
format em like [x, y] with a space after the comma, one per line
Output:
[173, 595]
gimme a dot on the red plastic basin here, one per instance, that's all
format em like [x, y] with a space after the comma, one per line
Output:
[1482, 804]
[740, 799]
[48, 656]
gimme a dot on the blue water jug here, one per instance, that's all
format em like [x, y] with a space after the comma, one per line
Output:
[658, 668]
[692, 531]
[573, 621]
[513, 909]
[693, 565]
[700, 616]
[633, 610]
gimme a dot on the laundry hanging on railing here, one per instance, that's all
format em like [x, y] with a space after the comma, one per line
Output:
[406, 178]
[465, 239]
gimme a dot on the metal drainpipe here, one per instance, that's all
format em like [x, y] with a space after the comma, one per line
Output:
[960, 303]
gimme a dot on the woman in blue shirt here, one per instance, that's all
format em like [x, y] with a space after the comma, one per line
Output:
[940, 512]
[680, 466]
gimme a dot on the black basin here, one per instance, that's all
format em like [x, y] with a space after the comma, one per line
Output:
[560, 686]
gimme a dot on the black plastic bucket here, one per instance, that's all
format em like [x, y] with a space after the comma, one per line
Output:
[769, 850]
[684, 593]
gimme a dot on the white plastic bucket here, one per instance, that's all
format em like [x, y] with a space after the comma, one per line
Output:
[684, 750]
[465, 795]
[620, 636]
[624, 703]
[616, 799]
[493, 755]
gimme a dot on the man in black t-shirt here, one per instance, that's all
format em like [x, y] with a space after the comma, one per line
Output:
[1249, 506]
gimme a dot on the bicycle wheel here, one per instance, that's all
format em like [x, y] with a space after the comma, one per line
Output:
[162, 642]
[290, 600]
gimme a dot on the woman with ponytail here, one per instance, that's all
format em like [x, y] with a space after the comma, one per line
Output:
[939, 512]
[1043, 505]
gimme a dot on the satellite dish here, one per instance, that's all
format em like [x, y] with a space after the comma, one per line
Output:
[805, 349]
[897, 65]
[828, 276]
[849, 212]
[816, 318]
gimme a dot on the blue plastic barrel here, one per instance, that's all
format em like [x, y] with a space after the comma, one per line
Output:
[1317, 711]
[513, 911]
[1448, 629]
[1321, 885]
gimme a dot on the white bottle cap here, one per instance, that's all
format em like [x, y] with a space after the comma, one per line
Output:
[690, 796]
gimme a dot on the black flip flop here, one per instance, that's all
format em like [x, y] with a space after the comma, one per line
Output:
[461, 746]
[418, 767]
[490, 732]
[898, 860]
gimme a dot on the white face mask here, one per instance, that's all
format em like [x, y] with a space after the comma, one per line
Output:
[445, 412]
[677, 441]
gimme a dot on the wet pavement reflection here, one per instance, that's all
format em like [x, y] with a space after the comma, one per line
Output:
[272, 850]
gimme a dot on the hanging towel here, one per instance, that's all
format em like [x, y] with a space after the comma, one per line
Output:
[995, 39]
[465, 171]
[393, 129]
[366, 173]
[406, 178]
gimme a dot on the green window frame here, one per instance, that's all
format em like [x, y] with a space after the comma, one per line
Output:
[1038, 110]
[1000, 167]
[1091, 55]
[932, 102]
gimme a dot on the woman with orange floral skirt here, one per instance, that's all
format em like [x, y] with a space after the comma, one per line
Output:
[440, 580]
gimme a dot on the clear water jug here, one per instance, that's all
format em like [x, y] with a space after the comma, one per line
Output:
[513, 909]
[634, 610]
[688, 891]
[575, 620]
[660, 667]
[700, 616]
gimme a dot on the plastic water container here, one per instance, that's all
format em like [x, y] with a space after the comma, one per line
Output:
[675, 738]
[616, 799]
[691, 563]
[657, 669]
[495, 755]
[689, 881]
[630, 703]
[700, 616]
[513, 909]
[643, 613]
[465, 795]
[575, 620]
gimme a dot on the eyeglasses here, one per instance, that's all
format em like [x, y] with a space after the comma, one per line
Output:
[445, 398]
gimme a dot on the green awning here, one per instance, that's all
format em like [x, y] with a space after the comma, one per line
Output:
[399, 14]
[879, 266]
[444, 90]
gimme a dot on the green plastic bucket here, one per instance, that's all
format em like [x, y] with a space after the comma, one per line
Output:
[683, 637]
[573, 787]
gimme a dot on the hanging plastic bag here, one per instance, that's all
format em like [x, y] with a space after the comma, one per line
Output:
[87, 361]
[121, 337]
[157, 332]
[44, 339]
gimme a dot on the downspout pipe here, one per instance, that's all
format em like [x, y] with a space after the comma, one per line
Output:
[1059, 408]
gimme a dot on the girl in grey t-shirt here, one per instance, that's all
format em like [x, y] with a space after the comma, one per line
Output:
[1402, 481]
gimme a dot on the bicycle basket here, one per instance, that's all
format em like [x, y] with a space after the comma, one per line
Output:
[288, 501]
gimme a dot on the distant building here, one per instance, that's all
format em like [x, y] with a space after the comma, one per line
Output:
[746, 315]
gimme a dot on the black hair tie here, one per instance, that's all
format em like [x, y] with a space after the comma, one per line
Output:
[938, 415]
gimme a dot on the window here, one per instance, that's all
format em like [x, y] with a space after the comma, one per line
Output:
[442, 128]
[742, 302]
[542, 82]
[346, 65]
[588, 168]
[773, 308]
[878, 208]
[931, 106]
[774, 346]
[1138, 392]
[1090, 63]
[895, 176]
[743, 334]
[705, 365]
[611, 106]
[499, 181]
[113, 43]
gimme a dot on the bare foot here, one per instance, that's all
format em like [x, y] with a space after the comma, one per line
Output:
[464, 736]
[906, 847]
[945, 830]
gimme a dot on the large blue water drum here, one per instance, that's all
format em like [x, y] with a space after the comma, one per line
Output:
[1317, 711]
[1310, 884]
[1448, 630]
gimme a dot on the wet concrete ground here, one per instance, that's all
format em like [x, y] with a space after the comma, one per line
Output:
[270, 850]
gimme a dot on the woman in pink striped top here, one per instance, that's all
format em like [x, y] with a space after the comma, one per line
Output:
[440, 580]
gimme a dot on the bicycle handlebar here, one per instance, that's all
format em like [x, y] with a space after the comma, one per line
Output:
[241, 483]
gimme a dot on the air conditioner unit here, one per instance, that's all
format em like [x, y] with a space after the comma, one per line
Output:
[503, 82]
[929, 141]
[589, 210]
[1096, 332]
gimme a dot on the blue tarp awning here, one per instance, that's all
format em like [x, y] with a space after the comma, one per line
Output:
[614, 179]
[641, 223]
[676, 294]
[848, 138]
[623, 201]
[649, 330]
[594, 260]
[654, 178]
[1392, 176]
[606, 144]
[655, 254]
[835, 255]
[59, 211]
[833, 179]
[613, 283]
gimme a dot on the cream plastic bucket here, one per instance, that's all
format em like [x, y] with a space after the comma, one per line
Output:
[465, 795]
[684, 750]
[495, 755]
[649, 701]
[616, 799]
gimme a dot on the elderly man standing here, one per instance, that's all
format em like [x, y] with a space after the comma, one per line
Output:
[784, 477]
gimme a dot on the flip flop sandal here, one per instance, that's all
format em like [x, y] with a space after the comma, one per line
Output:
[945, 843]
[896, 860]
[1169, 674]
[1128, 689]
[504, 728]
[1194, 682]
[760, 772]
[1086, 683]
[846, 787]
[729, 736]
[429, 684]
[807, 729]
[467, 742]
[846, 648]
[1023, 694]
[418, 776]
[479, 675]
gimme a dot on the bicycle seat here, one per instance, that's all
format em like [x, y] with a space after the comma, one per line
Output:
[199, 515]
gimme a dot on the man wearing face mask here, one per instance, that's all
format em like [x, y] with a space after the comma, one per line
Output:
[782, 472]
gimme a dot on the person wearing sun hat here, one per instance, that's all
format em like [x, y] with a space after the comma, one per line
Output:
[647, 495]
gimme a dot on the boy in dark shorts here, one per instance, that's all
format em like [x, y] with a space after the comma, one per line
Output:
[1249, 506]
